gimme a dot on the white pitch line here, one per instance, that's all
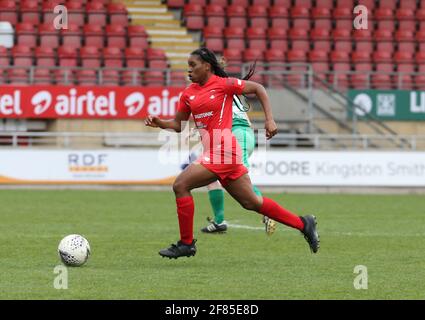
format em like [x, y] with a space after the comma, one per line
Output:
[241, 226]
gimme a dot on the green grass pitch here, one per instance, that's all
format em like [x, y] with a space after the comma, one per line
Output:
[126, 229]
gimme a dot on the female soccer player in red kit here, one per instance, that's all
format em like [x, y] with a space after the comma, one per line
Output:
[209, 100]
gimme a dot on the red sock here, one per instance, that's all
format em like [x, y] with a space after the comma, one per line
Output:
[185, 212]
[274, 211]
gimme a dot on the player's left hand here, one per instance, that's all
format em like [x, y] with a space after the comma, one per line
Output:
[271, 128]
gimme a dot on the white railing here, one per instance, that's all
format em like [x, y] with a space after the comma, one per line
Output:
[74, 140]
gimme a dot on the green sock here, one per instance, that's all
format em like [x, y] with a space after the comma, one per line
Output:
[217, 203]
[257, 192]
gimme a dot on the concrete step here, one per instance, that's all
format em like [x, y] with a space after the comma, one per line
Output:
[152, 31]
[171, 38]
[147, 9]
[157, 23]
[166, 16]
[176, 46]
[142, 2]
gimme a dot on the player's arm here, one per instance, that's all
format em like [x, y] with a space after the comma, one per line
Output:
[261, 93]
[174, 124]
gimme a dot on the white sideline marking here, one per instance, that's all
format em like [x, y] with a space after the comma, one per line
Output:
[241, 226]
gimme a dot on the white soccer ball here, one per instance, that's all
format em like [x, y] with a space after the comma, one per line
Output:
[74, 250]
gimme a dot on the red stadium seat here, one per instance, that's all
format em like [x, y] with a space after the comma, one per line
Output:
[72, 37]
[176, 4]
[343, 13]
[257, 15]
[68, 56]
[383, 57]
[402, 57]
[304, 3]
[155, 54]
[279, 17]
[94, 35]
[342, 40]
[22, 56]
[194, 16]
[250, 55]
[321, 13]
[235, 38]
[278, 38]
[202, 3]
[178, 79]
[321, 39]
[405, 14]
[90, 57]
[284, 3]
[234, 60]
[76, 13]
[265, 3]
[213, 37]
[369, 4]
[86, 77]
[135, 58]
[274, 55]
[383, 13]
[407, 25]
[158, 64]
[26, 34]
[390, 4]
[45, 57]
[156, 78]
[112, 57]
[243, 3]
[118, 14]
[30, 12]
[339, 56]
[340, 75]
[299, 39]
[96, 13]
[8, 11]
[256, 38]
[236, 16]
[137, 37]
[360, 57]
[49, 35]
[43, 76]
[4, 57]
[215, 15]
[404, 79]
[116, 36]
[408, 4]
[404, 35]
[48, 11]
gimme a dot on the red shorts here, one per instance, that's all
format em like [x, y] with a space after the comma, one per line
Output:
[226, 172]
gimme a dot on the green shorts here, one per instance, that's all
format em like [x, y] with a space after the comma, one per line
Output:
[246, 139]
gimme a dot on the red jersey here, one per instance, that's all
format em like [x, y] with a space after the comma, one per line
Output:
[211, 107]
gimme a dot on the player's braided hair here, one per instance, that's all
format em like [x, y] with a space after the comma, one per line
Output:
[218, 68]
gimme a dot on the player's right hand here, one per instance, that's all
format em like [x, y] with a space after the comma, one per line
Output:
[150, 121]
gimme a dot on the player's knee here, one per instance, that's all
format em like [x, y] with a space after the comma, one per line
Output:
[179, 186]
[251, 204]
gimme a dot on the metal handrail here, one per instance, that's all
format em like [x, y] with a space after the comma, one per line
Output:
[154, 139]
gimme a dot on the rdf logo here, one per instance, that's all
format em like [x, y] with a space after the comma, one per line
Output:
[363, 104]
